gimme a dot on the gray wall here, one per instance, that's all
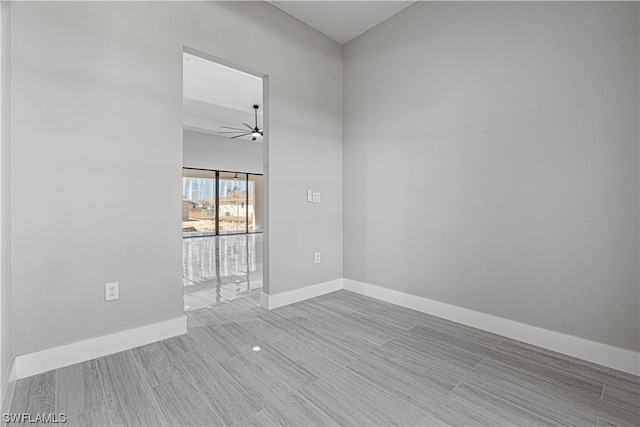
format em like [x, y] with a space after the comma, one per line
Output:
[97, 135]
[5, 190]
[491, 161]
[207, 151]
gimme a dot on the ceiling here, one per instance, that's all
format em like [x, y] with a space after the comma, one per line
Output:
[215, 96]
[342, 20]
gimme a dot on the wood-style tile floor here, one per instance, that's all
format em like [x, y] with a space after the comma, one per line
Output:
[340, 359]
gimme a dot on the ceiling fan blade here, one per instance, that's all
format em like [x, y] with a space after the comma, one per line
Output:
[234, 131]
[228, 127]
[250, 128]
[238, 136]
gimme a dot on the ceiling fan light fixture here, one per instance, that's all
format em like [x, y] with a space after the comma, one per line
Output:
[254, 132]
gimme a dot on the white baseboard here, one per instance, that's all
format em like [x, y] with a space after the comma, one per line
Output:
[58, 357]
[9, 384]
[603, 354]
[270, 302]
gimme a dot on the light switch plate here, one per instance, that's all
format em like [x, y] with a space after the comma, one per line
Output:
[316, 197]
[309, 195]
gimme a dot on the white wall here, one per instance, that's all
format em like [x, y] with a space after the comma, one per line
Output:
[507, 133]
[207, 151]
[97, 132]
[5, 193]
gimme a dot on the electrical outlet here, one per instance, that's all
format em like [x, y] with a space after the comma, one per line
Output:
[111, 291]
[317, 258]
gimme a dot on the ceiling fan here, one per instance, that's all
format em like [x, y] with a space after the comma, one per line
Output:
[255, 132]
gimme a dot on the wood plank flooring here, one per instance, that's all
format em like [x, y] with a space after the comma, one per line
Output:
[337, 360]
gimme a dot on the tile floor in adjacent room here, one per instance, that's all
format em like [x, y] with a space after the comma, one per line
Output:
[219, 269]
[339, 359]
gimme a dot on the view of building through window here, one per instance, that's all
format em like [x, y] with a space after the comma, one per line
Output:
[216, 202]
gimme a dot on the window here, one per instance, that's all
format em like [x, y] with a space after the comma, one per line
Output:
[220, 202]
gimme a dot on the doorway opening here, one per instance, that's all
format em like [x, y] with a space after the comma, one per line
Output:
[224, 200]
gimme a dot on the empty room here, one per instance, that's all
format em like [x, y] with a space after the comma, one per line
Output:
[310, 213]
